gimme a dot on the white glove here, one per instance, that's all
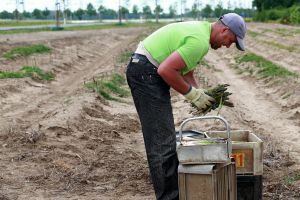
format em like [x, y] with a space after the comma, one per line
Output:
[198, 98]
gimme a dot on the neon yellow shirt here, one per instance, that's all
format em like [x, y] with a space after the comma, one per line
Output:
[189, 39]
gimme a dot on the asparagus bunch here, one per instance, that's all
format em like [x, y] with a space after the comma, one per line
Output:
[221, 96]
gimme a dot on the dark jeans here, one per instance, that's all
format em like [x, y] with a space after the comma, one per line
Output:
[151, 97]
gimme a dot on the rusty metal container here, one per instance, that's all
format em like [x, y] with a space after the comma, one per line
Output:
[207, 182]
[247, 149]
[204, 150]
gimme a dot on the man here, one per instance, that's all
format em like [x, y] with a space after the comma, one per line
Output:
[167, 58]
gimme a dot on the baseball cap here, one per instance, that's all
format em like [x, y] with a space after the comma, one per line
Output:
[237, 25]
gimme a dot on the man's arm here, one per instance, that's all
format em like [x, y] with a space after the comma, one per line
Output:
[169, 71]
[189, 78]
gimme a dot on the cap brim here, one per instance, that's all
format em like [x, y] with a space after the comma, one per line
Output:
[240, 44]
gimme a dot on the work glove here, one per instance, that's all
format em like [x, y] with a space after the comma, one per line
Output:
[199, 99]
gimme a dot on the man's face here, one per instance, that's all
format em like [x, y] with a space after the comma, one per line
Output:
[225, 37]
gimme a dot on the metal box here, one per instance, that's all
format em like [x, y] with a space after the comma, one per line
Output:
[207, 182]
[247, 149]
[204, 150]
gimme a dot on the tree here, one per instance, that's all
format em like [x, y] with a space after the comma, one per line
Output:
[6, 15]
[79, 13]
[207, 11]
[218, 10]
[90, 10]
[135, 10]
[37, 14]
[124, 12]
[68, 12]
[101, 10]
[109, 13]
[158, 11]
[147, 11]
[16, 14]
[295, 15]
[119, 13]
[194, 11]
[172, 11]
[26, 14]
[269, 4]
[45, 13]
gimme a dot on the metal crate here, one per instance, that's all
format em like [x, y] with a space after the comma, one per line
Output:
[204, 150]
[207, 182]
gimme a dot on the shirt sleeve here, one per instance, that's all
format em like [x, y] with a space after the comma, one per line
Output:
[192, 52]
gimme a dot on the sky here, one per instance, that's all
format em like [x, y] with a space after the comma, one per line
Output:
[29, 5]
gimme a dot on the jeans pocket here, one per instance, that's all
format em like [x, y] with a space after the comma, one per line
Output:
[151, 79]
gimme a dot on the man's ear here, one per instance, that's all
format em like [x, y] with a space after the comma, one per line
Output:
[224, 28]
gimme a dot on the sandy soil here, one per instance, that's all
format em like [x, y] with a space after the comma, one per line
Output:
[59, 140]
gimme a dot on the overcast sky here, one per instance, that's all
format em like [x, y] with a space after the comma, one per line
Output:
[29, 5]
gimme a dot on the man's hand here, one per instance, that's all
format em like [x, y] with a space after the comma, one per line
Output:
[198, 98]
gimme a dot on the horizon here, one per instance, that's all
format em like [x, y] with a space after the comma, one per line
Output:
[30, 5]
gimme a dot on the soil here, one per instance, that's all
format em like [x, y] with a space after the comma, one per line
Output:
[59, 140]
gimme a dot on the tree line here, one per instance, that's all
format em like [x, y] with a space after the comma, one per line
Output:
[93, 13]
[286, 12]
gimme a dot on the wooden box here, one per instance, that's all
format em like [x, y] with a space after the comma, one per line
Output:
[247, 149]
[207, 182]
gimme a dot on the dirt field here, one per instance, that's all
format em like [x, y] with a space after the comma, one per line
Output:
[59, 140]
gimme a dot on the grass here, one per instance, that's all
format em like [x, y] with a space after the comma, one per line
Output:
[287, 95]
[291, 179]
[283, 31]
[280, 46]
[8, 32]
[124, 57]
[5, 23]
[28, 71]
[91, 27]
[287, 32]
[209, 66]
[267, 68]
[252, 33]
[108, 89]
[25, 51]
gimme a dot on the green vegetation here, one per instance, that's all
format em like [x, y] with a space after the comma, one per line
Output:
[124, 57]
[24, 31]
[109, 88]
[283, 31]
[209, 66]
[90, 27]
[286, 12]
[287, 95]
[28, 71]
[266, 67]
[291, 179]
[6, 23]
[252, 33]
[280, 46]
[288, 32]
[25, 51]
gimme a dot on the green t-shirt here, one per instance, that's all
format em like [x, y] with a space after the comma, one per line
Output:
[189, 39]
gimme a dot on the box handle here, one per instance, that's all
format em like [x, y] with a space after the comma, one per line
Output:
[229, 145]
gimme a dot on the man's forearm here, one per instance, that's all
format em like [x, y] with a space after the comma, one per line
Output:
[175, 80]
[169, 70]
[190, 79]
